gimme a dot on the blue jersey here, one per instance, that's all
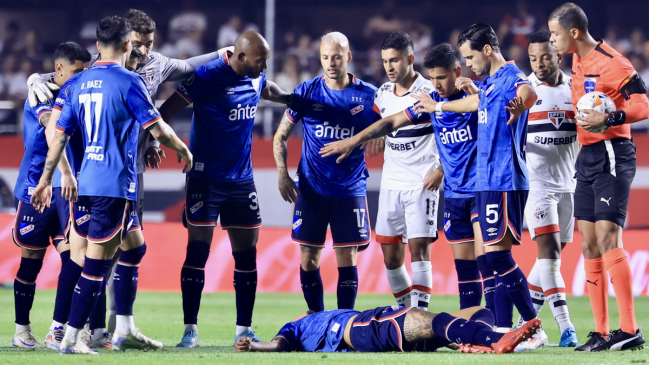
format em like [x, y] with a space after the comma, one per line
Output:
[318, 332]
[328, 116]
[501, 147]
[108, 103]
[225, 105]
[74, 149]
[456, 135]
[31, 166]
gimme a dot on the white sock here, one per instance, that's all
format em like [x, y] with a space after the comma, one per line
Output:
[191, 327]
[23, 328]
[125, 324]
[72, 334]
[241, 329]
[97, 333]
[400, 284]
[56, 324]
[422, 283]
[536, 290]
[555, 291]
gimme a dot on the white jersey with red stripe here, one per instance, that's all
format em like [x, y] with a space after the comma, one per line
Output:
[552, 145]
[410, 152]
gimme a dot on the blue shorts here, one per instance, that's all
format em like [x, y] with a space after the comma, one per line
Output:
[459, 216]
[99, 219]
[63, 209]
[380, 330]
[33, 230]
[347, 216]
[235, 202]
[498, 211]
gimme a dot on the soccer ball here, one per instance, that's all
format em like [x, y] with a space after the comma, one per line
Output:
[598, 101]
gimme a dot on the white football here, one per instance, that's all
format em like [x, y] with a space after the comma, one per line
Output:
[598, 101]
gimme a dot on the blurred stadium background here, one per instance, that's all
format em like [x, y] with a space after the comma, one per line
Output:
[31, 29]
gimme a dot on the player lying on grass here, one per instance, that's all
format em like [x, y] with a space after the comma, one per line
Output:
[386, 329]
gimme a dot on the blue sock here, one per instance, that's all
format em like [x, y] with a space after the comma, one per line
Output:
[87, 290]
[65, 257]
[312, 288]
[97, 318]
[125, 281]
[469, 283]
[488, 282]
[484, 316]
[25, 287]
[515, 282]
[460, 330]
[504, 305]
[192, 279]
[347, 287]
[68, 278]
[245, 284]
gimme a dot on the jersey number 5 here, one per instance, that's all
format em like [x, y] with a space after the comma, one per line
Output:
[87, 100]
[492, 210]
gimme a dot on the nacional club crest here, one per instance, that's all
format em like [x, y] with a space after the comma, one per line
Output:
[589, 84]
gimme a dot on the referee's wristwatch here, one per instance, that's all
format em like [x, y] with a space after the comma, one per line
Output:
[616, 118]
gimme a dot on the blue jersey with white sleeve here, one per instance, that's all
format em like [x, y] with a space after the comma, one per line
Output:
[108, 103]
[225, 105]
[456, 135]
[501, 147]
[35, 149]
[328, 116]
[74, 149]
[317, 332]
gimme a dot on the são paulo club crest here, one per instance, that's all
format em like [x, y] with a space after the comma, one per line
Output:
[539, 213]
[557, 117]
[589, 84]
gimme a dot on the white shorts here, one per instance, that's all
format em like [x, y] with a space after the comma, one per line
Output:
[549, 213]
[405, 214]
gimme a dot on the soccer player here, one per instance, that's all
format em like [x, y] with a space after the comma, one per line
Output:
[32, 231]
[332, 107]
[501, 175]
[107, 101]
[392, 329]
[225, 94]
[605, 169]
[408, 199]
[550, 155]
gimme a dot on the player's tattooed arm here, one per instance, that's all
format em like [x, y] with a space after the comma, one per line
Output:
[45, 117]
[418, 326]
[274, 93]
[287, 187]
[162, 132]
[42, 195]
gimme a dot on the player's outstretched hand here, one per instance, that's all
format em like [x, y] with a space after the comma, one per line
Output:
[516, 108]
[243, 344]
[188, 157]
[426, 104]
[592, 120]
[287, 186]
[374, 147]
[343, 148]
[153, 157]
[41, 197]
[434, 180]
[39, 91]
[69, 189]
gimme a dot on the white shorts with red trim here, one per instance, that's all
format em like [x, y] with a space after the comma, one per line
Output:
[547, 213]
[405, 214]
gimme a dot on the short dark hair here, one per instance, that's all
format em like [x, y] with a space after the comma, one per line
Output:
[71, 52]
[479, 35]
[140, 21]
[399, 41]
[113, 30]
[569, 16]
[442, 55]
[542, 36]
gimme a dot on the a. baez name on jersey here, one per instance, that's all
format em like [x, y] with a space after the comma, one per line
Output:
[92, 84]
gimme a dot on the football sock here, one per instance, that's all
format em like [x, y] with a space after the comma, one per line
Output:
[617, 265]
[504, 306]
[536, 290]
[485, 316]
[87, 290]
[488, 282]
[347, 287]
[126, 278]
[192, 279]
[245, 284]
[401, 285]
[191, 327]
[25, 287]
[68, 278]
[65, 257]
[72, 334]
[554, 289]
[56, 325]
[515, 282]
[112, 306]
[97, 333]
[597, 284]
[422, 283]
[97, 318]
[241, 330]
[312, 288]
[461, 331]
[125, 324]
[469, 283]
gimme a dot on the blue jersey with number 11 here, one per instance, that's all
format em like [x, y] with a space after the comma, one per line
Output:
[108, 103]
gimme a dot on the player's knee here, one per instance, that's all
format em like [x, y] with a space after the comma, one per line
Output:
[420, 249]
[607, 242]
[346, 256]
[133, 256]
[33, 254]
[393, 262]
[245, 260]
[197, 254]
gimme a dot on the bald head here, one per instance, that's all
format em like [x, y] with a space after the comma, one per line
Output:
[250, 54]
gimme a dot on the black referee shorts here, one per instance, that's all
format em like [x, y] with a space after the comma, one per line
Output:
[605, 171]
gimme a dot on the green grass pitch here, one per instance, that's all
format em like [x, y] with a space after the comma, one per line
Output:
[159, 316]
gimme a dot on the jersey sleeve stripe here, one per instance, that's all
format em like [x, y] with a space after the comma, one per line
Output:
[290, 117]
[376, 109]
[186, 97]
[408, 115]
[60, 129]
[57, 107]
[43, 112]
[152, 122]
